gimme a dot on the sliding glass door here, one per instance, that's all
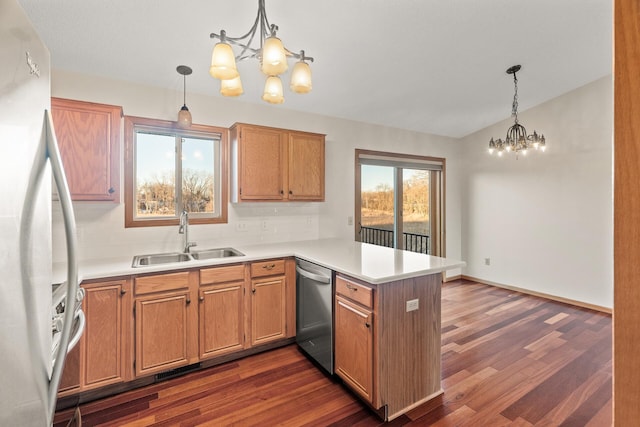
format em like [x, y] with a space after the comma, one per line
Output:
[398, 201]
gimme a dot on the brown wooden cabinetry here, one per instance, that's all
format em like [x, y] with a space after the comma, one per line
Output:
[222, 313]
[268, 301]
[354, 324]
[271, 164]
[306, 166]
[166, 321]
[387, 341]
[102, 357]
[88, 136]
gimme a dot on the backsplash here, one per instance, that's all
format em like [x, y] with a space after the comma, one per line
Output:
[101, 232]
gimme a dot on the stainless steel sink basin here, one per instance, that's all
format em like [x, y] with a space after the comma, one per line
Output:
[216, 253]
[154, 259]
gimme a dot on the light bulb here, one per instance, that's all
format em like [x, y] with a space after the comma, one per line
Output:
[231, 87]
[223, 62]
[301, 78]
[273, 90]
[274, 57]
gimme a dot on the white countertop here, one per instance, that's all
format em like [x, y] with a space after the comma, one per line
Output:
[371, 263]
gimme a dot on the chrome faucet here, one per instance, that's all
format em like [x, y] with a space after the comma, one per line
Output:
[184, 229]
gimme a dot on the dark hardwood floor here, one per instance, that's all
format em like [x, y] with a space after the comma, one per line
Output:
[508, 359]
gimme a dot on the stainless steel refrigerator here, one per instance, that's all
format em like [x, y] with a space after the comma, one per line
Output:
[35, 330]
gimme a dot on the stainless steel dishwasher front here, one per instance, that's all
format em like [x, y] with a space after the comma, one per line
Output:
[314, 312]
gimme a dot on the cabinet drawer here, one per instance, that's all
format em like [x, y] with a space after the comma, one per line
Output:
[267, 268]
[226, 274]
[354, 291]
[161, 283]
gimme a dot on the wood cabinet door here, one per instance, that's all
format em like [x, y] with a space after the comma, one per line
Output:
[354, 346]
[261, 161]
[162, 328]
[268, 309]
[70, 380]
[105, 336]
[306, 166]
[88, 136]
[221, 319]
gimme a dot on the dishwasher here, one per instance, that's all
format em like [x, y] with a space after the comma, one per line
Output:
[314, 312]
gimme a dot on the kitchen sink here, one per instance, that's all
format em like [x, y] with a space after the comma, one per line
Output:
[155, 259]
[216, 253]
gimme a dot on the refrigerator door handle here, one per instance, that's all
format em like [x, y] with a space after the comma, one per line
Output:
[81, 325]
[57, 169]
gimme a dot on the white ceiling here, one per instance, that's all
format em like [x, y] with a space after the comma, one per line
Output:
[435, 66]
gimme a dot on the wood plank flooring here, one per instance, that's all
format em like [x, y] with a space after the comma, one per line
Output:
[508, 359]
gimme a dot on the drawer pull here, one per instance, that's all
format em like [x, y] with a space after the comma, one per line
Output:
[122, 292]
[351, 287]
[269, 266]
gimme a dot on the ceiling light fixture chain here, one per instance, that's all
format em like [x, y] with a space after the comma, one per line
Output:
[271, 54]
[517, 139]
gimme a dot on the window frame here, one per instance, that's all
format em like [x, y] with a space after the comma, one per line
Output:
[131, 125]
[403, 161]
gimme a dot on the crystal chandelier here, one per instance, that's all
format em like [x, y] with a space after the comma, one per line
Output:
[517, 139]
[272, 56]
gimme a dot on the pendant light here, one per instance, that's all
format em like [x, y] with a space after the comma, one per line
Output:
[269, 51]
[184, 115]
[517, 140]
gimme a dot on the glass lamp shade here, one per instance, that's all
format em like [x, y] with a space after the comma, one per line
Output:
[274, 57]
[301, 78]
[273, 90]
[184, 117]
[231, 87]
[223, 62]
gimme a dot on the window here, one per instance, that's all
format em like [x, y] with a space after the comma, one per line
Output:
[399, 201]
[168, 170]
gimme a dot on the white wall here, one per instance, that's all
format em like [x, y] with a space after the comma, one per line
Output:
[101, 231]
[546, 220]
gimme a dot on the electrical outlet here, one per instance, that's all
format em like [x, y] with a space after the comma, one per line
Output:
[242, 227]
[487, 261]
[412, 305]
[349, 220]
[264, 225]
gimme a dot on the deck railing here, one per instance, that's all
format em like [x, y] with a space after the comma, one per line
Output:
[379, 236]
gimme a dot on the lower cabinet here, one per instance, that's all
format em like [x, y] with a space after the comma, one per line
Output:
[268, 301]
[164, 318]
[222, 312]
[354, 343]
[147, 324]
[102, 356]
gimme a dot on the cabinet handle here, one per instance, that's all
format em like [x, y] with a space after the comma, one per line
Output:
[352, 288]
[281, 191]
[188, 301]
[111, 190]
[367, 324]
[290, 192]
[253, 291]
[122, 292]
[269, 266]
[201, 299]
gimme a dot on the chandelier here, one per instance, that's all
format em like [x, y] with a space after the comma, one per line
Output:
[272, 56]
[517, 139]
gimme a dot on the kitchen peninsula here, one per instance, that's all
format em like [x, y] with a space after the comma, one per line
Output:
[386, 304]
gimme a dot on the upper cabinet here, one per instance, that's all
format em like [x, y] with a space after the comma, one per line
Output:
[270, 164]
[89, 140]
